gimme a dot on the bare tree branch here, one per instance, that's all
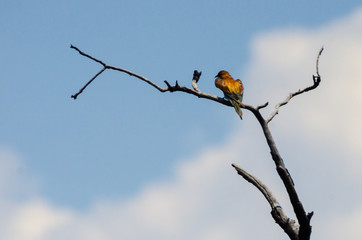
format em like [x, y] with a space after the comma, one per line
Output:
[287, 224]
[316, 81]
[169, 88]
[175, 88]
[301, 232]
[105, 66]
[259, 185]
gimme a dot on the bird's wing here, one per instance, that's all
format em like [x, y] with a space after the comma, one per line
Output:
[234, 89]
[240, 89]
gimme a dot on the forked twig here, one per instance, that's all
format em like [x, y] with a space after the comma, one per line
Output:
[105, 66]
[316, 81]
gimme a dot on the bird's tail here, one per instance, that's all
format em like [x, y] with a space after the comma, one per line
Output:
[237, 108]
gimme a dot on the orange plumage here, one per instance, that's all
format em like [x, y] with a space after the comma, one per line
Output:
[232, 89]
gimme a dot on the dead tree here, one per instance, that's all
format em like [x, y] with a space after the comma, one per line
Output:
[300, 230]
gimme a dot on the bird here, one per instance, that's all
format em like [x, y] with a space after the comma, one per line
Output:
[233, 89]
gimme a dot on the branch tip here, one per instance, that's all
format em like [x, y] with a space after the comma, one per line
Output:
[168, 85]
[317, 61]
[196, 76]
[195, 79]
[320, 51]
[262, 106]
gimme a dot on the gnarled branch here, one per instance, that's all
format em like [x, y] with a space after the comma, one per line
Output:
[287, 224]
[301, 232]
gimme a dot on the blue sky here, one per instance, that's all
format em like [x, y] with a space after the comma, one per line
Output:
[121, 139]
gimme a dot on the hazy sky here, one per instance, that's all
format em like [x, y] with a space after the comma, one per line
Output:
[125, 161]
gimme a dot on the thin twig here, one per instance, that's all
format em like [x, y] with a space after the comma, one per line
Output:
[89, 82]
[317, 62]
[88, 56]
[262, 106]
[316, 81]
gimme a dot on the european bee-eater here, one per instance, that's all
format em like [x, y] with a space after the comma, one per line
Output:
[232, 89]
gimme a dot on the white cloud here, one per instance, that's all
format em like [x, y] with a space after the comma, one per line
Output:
[12, 174]
[33, 220]
[345, 226]
[205, 199]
